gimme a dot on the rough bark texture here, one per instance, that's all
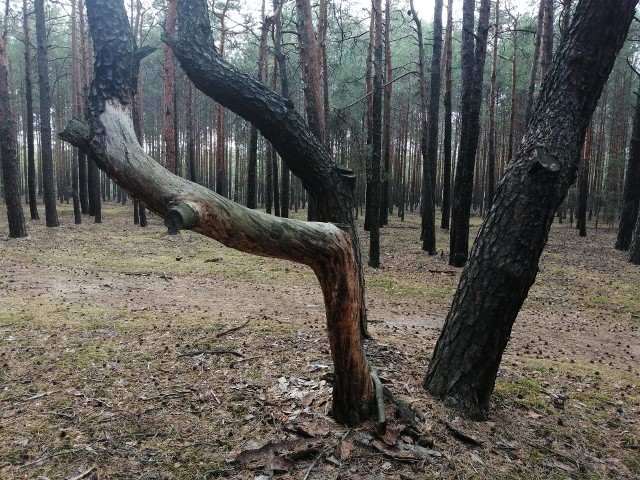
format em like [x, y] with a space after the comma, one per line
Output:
[28, 93]
[373, 192]
[631, 194]
[446, 179]
[583, 185]
[8, 150]
[431, 153]
[169, 91]
[46, 152]
[326, 248]
[493, 92]
[472, 75]
[504, 259]
[634, 248]
[311, 70]
[535, 63]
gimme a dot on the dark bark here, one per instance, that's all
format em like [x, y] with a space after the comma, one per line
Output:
[634, 247]
[535, 63]
[472, 75]
[583, 185]
[504, 259]
[386, 205]
[169, 92]
[631, 194]
[32, 178]
[46, 152]
[430, 154]
[493, 93]
[446, 179]
[330, 251]
[8, 147]
[373, 191]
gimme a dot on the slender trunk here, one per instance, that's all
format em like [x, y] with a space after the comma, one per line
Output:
[583, 184]
[472, 75]
[8, 145]
[169, 91]
[32, 178]
[430, 134]
[48, 171]
[535, 63]
[446, 180]
[491, 153]
[376, 142]
[386, 205]
[631, 194]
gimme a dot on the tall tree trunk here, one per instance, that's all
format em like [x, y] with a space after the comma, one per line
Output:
[514, 70]
[169, 91]
[504, 259]
[491, 149]
[386, 204]
[583, 184]
[634, 247]
[368, 82]
[472, 75]
[76, 107]
[8, 147]
[32, 177]
[631, 194]
[311, 69]
[330, 251]
[376, 139]
[446, 179]
[46, 152]
[535, 62]
[547, 39]
[430, 134]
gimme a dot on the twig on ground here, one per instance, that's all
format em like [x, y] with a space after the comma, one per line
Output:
[210, 352]
[245, 359]
[51, 455]
[84, 474]
[552, 451]
[322, 453]
[381, 424]
[222, 334]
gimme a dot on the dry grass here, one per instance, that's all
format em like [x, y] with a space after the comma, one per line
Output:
[99, 325]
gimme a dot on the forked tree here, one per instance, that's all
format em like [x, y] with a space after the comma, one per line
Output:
[503, 262]
[330, 249]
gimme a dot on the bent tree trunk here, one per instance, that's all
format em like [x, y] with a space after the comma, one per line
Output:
[327, 249]
[504, 259]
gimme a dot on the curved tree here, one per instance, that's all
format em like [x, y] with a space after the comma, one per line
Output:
[503, 262]
[329, 249]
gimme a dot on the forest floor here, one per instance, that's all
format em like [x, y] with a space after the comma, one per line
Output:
[117, 361]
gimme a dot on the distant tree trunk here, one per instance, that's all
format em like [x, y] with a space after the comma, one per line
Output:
[376, 140]
[631, 194]
[83, 161]
[535, 62]
[8, 147]
[281, 195]
[386, 204]
[430, 153]
[634, 247]
[331, 252]
[46, 152]
[547, 39]
[311, 69]
[32, 178]
[77, 108]
[446, 179]
[583, 184]
[504, 259]
[368, 82]
[514, 70]
[472, 75]
[169, 91]
[493, 93]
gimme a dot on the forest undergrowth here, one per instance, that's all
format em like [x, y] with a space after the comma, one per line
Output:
[126, 353]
